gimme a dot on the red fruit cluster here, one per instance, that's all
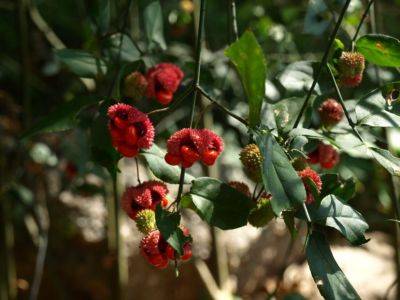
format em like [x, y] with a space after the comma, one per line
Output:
[130, 129]
[325, 155]
[351, 66]
[158, 252]
[144, 196]
[330, 112]
[311, 174]
[187, 146]
[163, 81]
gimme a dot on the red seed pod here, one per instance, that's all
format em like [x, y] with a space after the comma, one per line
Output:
[328, 156]
[153, 247]
[144, 196]
[163, 81]
[330, 112]
[241, 187]
[311, 174]
[130, 129]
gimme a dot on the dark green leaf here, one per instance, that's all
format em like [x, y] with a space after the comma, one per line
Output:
[332, 184]
[386, 160]
[380, 49]
[286, 111]
[153, 21]
[279, 176]
[82, 63]
[103, 15]
[288, 218]
[128, 50]
[219, 204]
[156, 162]
[248, 58]
[330, 279]
[168, 224]
[372, 110]
[334, 213]
[63, 118]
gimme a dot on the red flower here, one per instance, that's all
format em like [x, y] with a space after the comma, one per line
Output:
[130, 129]
[330, 112]
[154, 248]
[144, 196]
[187, 146]
[163, 81]
[326, 155]
[311, 174]
[187, 248]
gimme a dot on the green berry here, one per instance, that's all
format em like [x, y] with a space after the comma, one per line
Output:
[262, 214]
[146, 221]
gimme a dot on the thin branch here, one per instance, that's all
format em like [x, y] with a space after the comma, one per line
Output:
[323, 62]
[341, 101]
[233, 30]
[137, 170]
[366, 11]
[53, 39]
[306, 213]
[221, 107]
[207, 279]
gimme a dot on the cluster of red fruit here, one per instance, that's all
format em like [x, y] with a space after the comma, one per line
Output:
[131, 130]
[139, 202]
[159, 83]
[188, 145]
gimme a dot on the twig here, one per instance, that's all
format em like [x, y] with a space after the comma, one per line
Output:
[233, 30]
[361, 23]
[208, 279]
[341, 101]
[221, 107]
[137, 170]
[306, 213]
[323, 62]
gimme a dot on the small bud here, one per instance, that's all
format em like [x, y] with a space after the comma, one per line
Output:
[351, 66]
[262, 214]
[146, 221]
[135, 85]
[251, 158]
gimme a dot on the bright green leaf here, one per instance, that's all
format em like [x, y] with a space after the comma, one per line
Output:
[248, 58]
[219, 204]
[279, 176]
[82, 63]
[158, 166]
[380, 49]
[386, 160]
[330, 279]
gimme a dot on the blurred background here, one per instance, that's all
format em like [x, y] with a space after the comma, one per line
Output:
[55, 199]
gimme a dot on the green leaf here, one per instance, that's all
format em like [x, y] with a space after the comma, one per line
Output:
[153, 21]
[128, 50]
[103, 15]
[372, 110]
[334, 213]
[248, 58]
[279, 176]
[82, 63]
[158, 166]
[62, 118]
[288, 218]
[332, 184]
[386, 160]
[330, 279]
[286, 111]
[380, 49]
[219, 204]
[168, 224]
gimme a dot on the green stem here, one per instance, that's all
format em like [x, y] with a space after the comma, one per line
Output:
[366, 11]
[233, 30]
[341, 101]
[323, 62]
[196, 82]
[221, 107]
